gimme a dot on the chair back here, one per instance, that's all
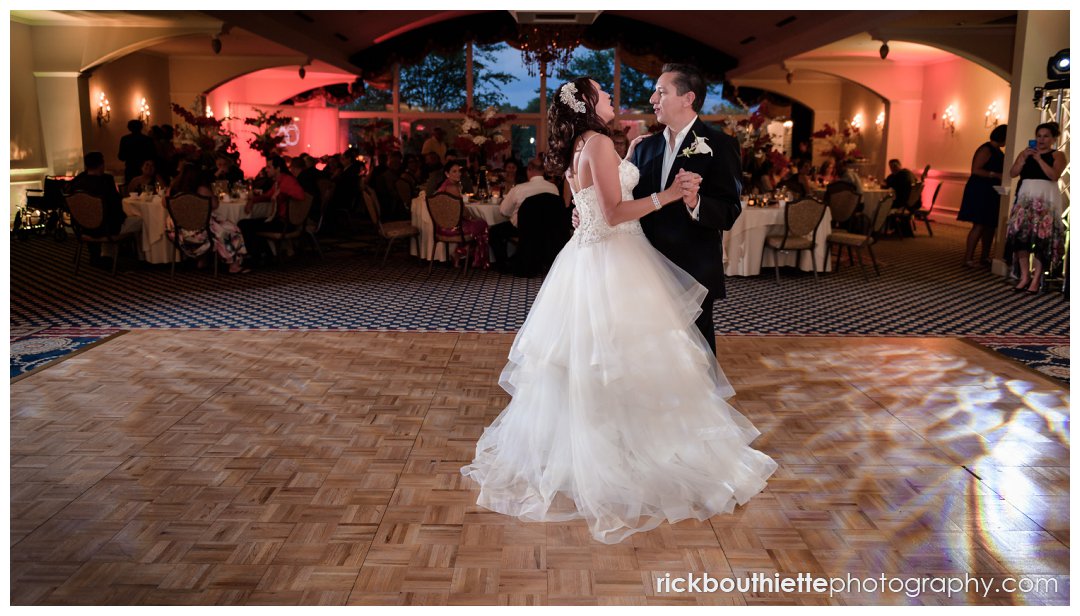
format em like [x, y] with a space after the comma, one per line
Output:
[404, 191]
[326, 191]
[802, 218]
[914, 197]
[298, 210]
[87, 211]
[842, 204]
[446, 212]
[925, 172]
[933, 199]
[189, 212]
[881, 215]
[371, 202]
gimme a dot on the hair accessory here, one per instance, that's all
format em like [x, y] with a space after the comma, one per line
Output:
[566, 95]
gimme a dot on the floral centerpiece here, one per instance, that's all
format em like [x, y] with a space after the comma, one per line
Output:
[202, 139]
[269, 138]
[839, 144]
[376, 138]
[482, 133]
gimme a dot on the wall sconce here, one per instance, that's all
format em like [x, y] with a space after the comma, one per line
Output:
[993, 115]
[104, 110]
[948, 119]
[857, 122]
[209, 111]
[144, 111]
[880, 121]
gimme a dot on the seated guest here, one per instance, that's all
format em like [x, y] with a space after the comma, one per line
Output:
[901, 181]
[845, 172]
[308, 177]
[225, 237]
[284, 188]
[827, 172]
[501, 233]
[225, 169]
[510, 174]
[147, 180]
[96, 183]
[471, 225]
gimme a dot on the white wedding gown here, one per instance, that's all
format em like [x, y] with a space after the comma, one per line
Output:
[617, 413]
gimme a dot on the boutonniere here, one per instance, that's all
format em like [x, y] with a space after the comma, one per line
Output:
[699, 146]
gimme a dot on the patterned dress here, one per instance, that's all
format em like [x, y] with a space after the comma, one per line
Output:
[1035, 223]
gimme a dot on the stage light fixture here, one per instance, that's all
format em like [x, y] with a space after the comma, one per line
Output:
[1057, 67]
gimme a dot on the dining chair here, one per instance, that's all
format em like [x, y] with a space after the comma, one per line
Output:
[801, 220]
[88, 220]
[924, 215]
[296, 213]
[842, 203]
[855, 242]
[388, 231]
[901, 217]
[447, 212]
[191, 214]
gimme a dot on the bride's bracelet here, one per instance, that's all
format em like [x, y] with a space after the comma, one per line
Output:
[656, 201]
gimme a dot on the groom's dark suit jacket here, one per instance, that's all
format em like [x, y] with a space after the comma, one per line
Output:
[693, 245]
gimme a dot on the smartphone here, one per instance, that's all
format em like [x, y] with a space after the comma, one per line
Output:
[1031, 144]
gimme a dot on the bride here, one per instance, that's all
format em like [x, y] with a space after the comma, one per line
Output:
[618, 412]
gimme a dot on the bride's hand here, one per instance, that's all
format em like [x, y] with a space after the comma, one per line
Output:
[633, 144]
[575, 220]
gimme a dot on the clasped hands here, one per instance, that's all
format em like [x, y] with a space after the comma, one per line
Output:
[688, 184]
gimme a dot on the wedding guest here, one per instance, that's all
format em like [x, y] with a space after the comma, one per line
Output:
[901, 180]
[499, 235]
[225, 237]
[845, 172]
[510, 174]
[225, 169]
[1036, 232]
[135, 149]
[147, 180]
[284, 188]
[435, 145]
[980, 204]
[96, 183]
[471, 225]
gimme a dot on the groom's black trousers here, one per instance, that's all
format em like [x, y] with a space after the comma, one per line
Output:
[705, 322]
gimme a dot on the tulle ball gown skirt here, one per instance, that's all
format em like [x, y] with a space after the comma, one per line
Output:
[618, 412]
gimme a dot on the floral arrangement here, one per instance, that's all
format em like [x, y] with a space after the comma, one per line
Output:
[777, 161]
[269, 138]
[840, 144]
[376, 138]
[203, 139]
[482, 132]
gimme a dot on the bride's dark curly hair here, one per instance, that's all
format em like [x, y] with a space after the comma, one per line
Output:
[565, 124]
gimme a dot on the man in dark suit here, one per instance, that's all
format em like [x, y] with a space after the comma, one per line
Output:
[135, 149]
[690, 235]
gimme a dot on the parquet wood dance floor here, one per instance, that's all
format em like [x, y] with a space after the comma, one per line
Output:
[283, 467]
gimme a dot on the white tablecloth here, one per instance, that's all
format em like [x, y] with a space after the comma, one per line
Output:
[154, 244]
[871, 197]
[744, 242]
[421, 245]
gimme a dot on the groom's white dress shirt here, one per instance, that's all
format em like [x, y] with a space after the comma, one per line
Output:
[671, 152]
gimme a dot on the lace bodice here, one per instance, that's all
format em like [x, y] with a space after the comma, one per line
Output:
[593, 227]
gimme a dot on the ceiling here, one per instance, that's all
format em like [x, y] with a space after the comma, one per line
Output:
[754, 39]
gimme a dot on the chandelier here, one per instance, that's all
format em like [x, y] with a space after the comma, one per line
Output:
[545, 46]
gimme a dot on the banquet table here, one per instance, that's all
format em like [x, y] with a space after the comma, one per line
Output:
[154, 244]
[871, 197]
[421, 245]
[744, 242]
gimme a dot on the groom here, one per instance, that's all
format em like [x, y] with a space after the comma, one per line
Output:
[690, 235]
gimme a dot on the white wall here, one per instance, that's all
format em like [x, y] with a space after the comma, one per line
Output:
[27, 143]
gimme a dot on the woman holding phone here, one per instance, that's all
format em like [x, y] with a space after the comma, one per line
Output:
[1036, 235]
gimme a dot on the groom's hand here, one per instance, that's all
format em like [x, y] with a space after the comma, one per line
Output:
[689, 183]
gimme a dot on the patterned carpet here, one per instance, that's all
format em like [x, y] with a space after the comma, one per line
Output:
[33, 349]
[923, 290]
